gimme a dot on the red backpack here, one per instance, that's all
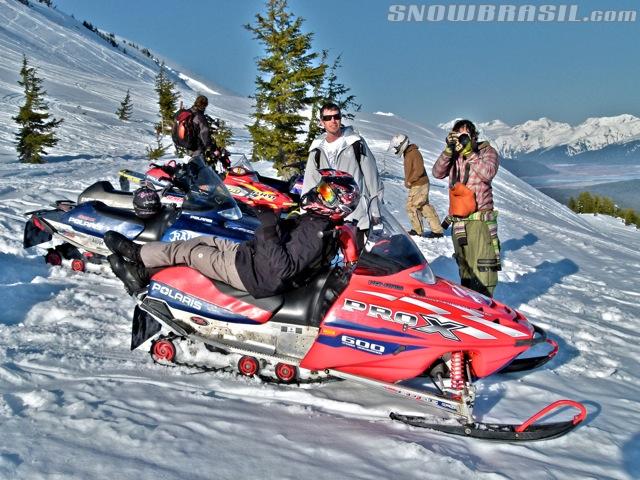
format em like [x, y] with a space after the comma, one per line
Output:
[183, 133]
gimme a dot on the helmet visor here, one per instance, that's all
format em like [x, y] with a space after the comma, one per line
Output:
[326, 193]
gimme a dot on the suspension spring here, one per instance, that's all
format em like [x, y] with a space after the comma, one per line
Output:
[457, 370]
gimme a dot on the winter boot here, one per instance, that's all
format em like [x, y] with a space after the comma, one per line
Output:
[134, 275]
[435, 235]
[414, 233]
[121, 245]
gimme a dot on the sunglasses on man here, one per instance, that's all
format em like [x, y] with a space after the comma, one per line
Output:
[336, 116]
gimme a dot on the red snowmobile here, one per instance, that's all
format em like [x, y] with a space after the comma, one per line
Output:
[248, 187]
[379, 318]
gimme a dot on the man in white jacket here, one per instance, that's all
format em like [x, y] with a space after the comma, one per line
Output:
[341, 148]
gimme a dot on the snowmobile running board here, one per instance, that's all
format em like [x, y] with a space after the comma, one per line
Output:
[526, 431]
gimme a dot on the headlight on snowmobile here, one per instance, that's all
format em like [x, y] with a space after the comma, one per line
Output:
[231, 213]
[424, 275]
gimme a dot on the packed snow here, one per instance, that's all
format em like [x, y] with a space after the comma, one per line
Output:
[75, 403]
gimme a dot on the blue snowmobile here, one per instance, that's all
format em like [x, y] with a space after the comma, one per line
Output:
[196, 203]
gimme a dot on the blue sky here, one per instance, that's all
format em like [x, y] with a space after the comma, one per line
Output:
[428, 72]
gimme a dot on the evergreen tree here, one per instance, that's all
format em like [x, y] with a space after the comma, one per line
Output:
[629, 216]
[287, 75]
[124, 112]
[167, 100]
[338, 93]
[317, 96]
[573, 204]
[331, 90]
[154, 153]
[221, 133]
[607, 206]
[585, 203]
[36, 130]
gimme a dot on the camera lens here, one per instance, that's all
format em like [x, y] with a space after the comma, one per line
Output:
[464, 139]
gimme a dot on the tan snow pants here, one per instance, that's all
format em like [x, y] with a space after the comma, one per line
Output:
[213, 257]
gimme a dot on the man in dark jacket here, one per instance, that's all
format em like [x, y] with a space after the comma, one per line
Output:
[417, 181]
[206, 145]
[281, 255]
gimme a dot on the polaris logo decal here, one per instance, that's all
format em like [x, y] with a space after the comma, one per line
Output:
[441, 326]
[100, 227]
[177, 296]
[200, 219]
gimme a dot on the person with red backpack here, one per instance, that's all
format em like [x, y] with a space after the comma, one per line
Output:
[192, 133]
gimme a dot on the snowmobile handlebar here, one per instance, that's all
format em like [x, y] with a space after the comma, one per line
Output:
[347, 241]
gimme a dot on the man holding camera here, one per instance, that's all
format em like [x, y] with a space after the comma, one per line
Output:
[471, 166]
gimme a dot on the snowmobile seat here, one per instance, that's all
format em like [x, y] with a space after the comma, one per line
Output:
[122, 214]
[155, 227]
[307, 304]
[104, 192]
[270, 304]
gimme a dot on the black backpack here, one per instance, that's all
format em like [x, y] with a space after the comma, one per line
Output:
[358, 150]
[183, 132]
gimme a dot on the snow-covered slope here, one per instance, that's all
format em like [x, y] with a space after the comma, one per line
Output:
[75, 403]
[86, 79]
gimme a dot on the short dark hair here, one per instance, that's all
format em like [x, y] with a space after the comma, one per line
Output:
[328, 106]
[473, 131]
[201, 103]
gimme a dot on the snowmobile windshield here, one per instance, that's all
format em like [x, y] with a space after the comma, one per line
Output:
[206, 192]
[241, 166]
[390, 250]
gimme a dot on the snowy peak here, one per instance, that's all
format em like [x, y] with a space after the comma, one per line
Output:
[544, 133]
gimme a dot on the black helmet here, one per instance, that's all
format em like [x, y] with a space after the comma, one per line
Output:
[336, 195]
[146, 202]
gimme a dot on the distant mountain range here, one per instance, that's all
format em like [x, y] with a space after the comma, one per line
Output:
[545, 134]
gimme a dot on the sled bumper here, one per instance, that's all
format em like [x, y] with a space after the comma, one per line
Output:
[530, 363]
[36, 231]
[143, 327]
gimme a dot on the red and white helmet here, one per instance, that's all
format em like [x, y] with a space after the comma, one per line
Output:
[336, 195]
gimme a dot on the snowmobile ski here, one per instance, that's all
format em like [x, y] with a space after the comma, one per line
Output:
[525, 432]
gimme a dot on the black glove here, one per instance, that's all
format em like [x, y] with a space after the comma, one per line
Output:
[266, 215]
